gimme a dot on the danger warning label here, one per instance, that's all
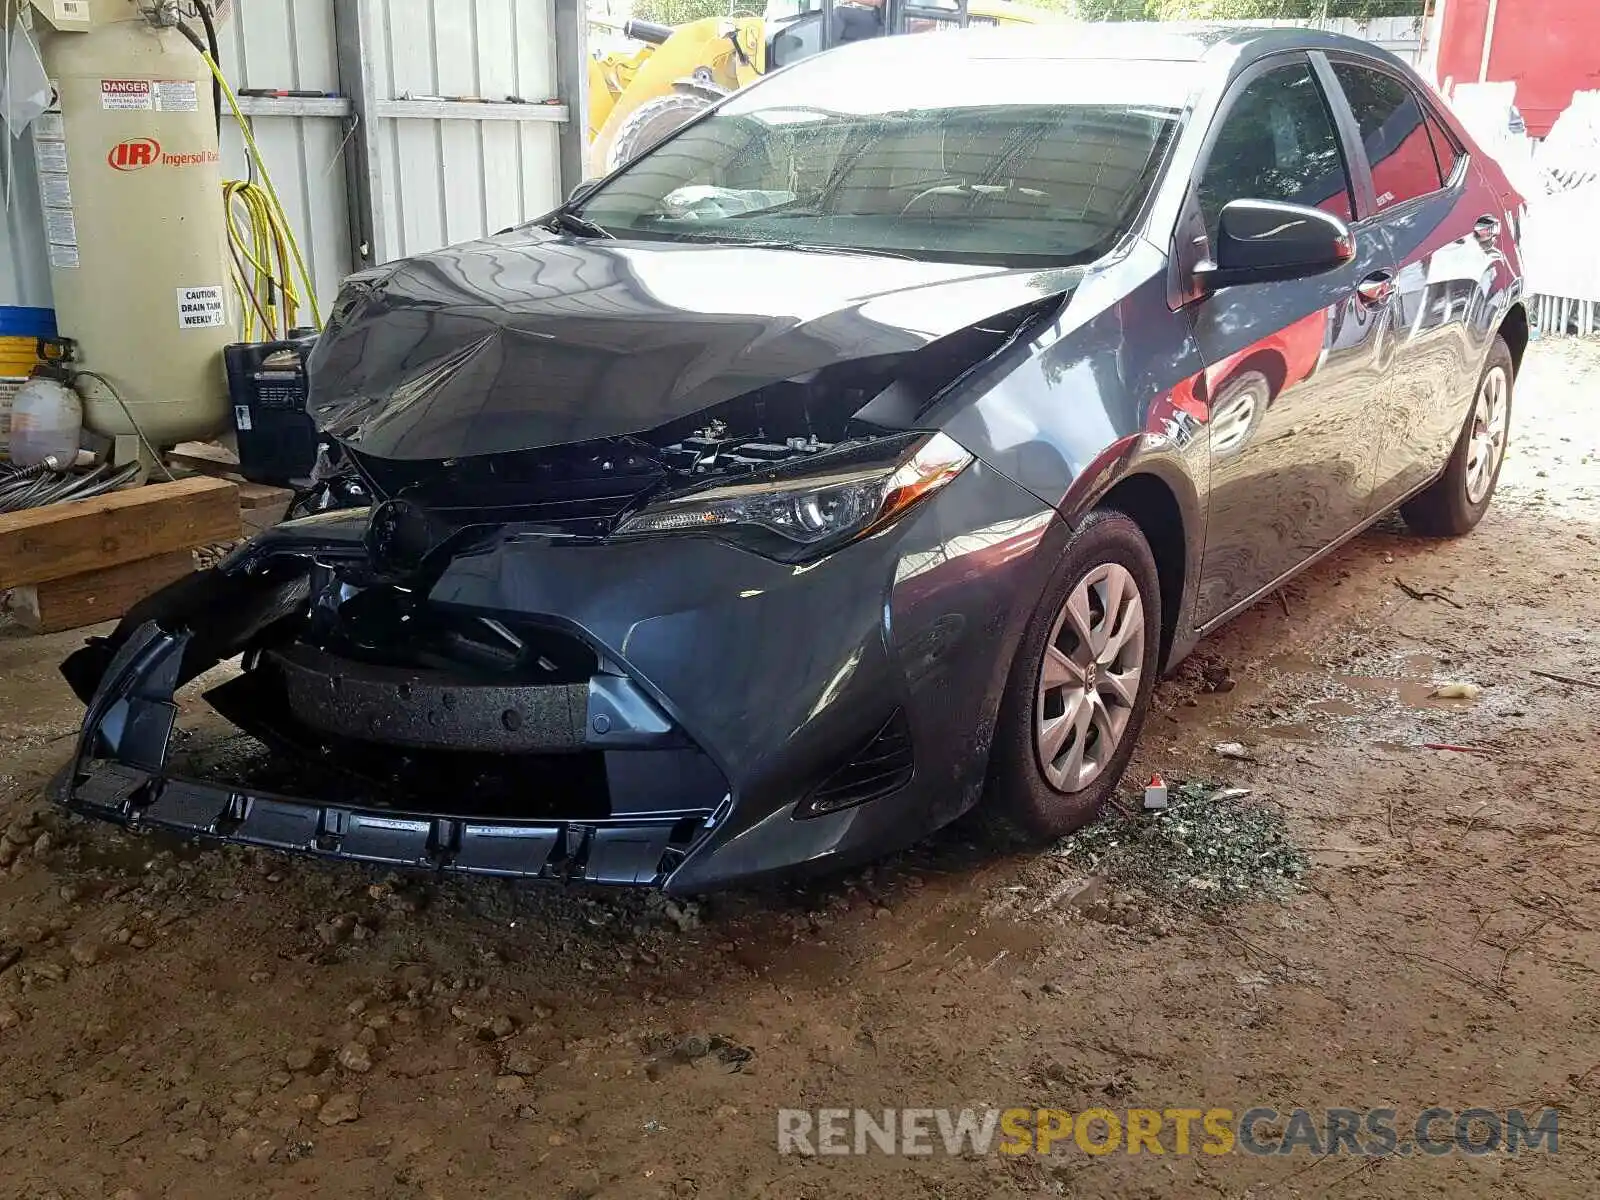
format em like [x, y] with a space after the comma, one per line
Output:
[125, 95]
[201, 308]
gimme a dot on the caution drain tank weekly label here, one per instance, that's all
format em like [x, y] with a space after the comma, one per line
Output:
[201, 308]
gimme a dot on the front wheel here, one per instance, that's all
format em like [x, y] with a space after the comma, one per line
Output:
[1456, 502]
[1081, 682]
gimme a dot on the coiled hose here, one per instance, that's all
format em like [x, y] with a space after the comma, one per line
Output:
[266, 255]
[34, 487]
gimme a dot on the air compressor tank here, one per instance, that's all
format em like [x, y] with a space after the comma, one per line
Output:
[131, 180]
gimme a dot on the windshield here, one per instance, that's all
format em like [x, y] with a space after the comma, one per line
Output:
[927, 154]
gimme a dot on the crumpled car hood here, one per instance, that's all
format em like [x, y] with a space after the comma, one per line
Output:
[527, 339]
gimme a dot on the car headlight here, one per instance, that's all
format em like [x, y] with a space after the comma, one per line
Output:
[807, 509]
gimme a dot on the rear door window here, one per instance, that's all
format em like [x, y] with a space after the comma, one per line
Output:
[1399, 149]
[1444, 147]
[1277, 142]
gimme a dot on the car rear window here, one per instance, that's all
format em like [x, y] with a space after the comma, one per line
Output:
[1392, 129]
[1006, 162]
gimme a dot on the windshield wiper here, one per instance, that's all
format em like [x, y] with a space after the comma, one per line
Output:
[800, 206]
[821, 248]
[564, 220]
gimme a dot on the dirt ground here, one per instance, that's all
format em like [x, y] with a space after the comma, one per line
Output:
[186, 1023]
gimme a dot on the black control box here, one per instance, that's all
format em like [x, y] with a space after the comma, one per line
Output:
[268, 389]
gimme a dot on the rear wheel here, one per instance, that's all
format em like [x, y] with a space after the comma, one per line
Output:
[1081, 682]
[652, 121]
[1458, 499]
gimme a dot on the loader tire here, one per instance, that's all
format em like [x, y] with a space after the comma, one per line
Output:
[651, 122]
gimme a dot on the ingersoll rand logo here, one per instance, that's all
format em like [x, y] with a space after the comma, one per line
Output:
[134, 154]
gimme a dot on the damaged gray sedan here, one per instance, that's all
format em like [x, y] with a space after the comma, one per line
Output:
[862, 451]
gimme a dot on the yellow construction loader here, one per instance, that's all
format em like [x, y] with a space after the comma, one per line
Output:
[637, 98]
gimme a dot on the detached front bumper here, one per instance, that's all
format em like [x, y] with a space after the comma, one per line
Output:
[751, 717]
[624, 852]
[119, 773]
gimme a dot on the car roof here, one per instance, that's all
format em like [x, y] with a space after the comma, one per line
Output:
[1150, 41]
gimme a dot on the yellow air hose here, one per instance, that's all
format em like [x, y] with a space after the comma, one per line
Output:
[266, 241]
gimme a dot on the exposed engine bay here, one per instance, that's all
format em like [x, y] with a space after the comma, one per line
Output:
[583, 489]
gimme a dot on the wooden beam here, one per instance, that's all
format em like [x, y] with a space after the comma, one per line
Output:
[96, 595]
[209, 458]
[61, 540]
[263, 495]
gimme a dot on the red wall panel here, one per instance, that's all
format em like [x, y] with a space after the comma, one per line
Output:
[1549, 48]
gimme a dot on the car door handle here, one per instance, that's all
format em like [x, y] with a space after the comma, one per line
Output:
[1487, 229]
[1376, 289]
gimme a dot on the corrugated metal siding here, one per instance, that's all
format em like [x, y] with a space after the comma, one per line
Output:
[289, 44]
[446, 181]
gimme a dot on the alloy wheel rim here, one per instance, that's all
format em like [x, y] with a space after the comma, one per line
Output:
[1089, 679]
[1231, 422]
[1486, 444]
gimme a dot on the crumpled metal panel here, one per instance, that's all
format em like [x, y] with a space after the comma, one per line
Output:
[529, 340]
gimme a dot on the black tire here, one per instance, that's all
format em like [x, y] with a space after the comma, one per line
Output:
[652, 121]
[1020, 793]
[1446, 509]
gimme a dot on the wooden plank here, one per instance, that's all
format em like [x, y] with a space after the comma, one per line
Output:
[207, 457]
[61, 540]
[262, 495]
[96, 595]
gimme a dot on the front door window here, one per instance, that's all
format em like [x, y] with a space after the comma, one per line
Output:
[1277, 142]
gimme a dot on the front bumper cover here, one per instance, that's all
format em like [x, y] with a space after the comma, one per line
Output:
[131, 719]
[775, 676]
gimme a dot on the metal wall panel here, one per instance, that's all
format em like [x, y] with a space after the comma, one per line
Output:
[447, 180]
[289, 44]
[442, 180]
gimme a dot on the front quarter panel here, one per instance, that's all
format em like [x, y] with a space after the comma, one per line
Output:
[781, 673]
[1113, 387]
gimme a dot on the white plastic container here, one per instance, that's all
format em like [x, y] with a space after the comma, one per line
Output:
[46, 421]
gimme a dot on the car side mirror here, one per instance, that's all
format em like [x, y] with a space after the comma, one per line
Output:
[577, 194]
[1262, 241]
